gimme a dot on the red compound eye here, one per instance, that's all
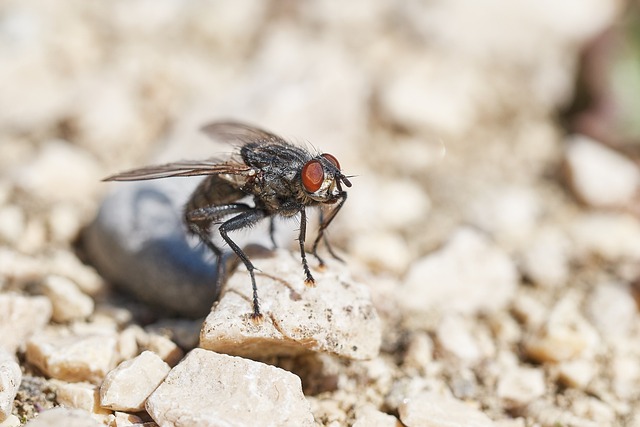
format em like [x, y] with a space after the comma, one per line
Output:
[332, 160]
[312, 175]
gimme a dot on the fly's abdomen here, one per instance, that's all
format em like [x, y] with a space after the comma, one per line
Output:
[213, 191]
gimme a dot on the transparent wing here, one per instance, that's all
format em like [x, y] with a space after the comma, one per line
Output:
[236, 132]
[184, 168]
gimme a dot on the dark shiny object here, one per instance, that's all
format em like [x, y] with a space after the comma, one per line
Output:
[282, 178]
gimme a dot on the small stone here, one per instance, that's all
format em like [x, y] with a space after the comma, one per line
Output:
[128, 341]
[612, 236]
[10, 378]
[64, 222]
[455, 337]
[12, 223]
[468, 275]
[80, 395]
[20, 317]
[336, 315]
[545, 259]
[419, 352]
[625, 378]
[166, 349]
[577, 373]
[612, 310]
[210, 389]
[66, 264]
[382, 250]
[184, 332]
[128, 420]
[431, 409]
[73, 358]
[11, 421]
[127, 387]
[600, 176]
[60, 416]
[68, 302]
[519, 386]
[369, 416]
[565, 336]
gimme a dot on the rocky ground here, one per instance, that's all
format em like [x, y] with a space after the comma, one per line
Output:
[491, 236]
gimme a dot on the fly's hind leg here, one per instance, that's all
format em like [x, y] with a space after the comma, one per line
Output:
[245, 219]
[199, 222]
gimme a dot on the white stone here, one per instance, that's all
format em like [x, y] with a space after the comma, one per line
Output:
[625, 378]
[468, 275]
[600, 176]
[166, 349]
[612, 236]
[419, 352]
[336, 315]
[60, 416]
[519, 386]
[73, 358]
[20, 317]
[64, 222]
[50, 177]
[545, 259]
[68, 302]
[381, 250]
[455, 337]
[369, 416]
[65, 263]
[565, 336]
[127, 387]
[612, 310]
[11, 421]
[433, 410]
[12, 223]
[129, 420]
[577, 373]
[210, 389]
[79, 395]
[10, 378]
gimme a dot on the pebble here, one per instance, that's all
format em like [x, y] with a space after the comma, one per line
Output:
[546, 257]
[64, 222]
[519, 386]
[10, 378]
[468, 275]
[419, 353]
[65, 263]
[566, 335]
[73, 358]
[68, 302]
[12, 224]
[611, 236]
[456, 339]
[381, 250]
[431, 409]
[577, 373]
[20, 317]
[600, 176]
[166, 349]
[138, 242]
[11, 421]
[612, 309]
[66, 417]
[127, 387]
[335, 316]
[80, 395]
[209, 389]
[369, 416]
[50, 178]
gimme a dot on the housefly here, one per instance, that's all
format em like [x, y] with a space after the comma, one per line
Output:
[283, 180]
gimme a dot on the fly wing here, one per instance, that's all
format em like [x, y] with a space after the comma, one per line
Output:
[237, 132]
[184, 168]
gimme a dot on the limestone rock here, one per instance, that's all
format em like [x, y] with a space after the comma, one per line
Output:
[82, 357]
[469, 274]
[431, 409]
[10, 377]
[372, 417]
[68, 302]
[335, 316]
[21, 316]
[210, 389]
[60, 416]
[127, 387]
[599, 176]
[519, 386]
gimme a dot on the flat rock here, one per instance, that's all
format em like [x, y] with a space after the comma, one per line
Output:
[469, 274]
[20, 317]
[69, 303]
[80, 395]
[60, 416]
[10, 378]
[127, 387]
[74, 358]
[599, 176]
[211, 389]
[335, 316]
[433, 410]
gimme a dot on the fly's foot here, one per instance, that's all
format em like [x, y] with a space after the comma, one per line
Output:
[257, 318]
[310, 282]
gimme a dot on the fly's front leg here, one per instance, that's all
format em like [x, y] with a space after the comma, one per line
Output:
[324, 223]
[246, 219]
[199, 222]
[309, 280]
[272, 231]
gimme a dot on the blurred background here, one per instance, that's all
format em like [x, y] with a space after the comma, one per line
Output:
[516, 118]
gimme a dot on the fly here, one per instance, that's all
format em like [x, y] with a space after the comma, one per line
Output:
[283, 180]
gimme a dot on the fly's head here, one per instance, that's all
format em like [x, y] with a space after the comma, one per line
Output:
[322, 179]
